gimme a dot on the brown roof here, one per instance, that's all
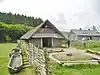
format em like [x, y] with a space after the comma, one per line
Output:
[31, 33]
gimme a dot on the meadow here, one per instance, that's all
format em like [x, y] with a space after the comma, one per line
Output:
[6, 48]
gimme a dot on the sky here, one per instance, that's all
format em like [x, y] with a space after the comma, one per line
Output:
[64, 14]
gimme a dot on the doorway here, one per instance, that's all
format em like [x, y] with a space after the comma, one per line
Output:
[47, 42]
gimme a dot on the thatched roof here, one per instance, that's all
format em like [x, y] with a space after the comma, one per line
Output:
[85, 32]
[31, 33]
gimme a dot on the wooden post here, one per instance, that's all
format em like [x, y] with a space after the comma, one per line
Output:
[52, 41]
[41, 43]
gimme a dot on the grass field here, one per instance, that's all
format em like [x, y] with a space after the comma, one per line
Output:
[84, 69]
[5, 49]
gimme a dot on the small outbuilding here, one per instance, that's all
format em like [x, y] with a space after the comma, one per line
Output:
[45, 35]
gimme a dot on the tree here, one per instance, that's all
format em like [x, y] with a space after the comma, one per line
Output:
[13, 31]
[10, 18]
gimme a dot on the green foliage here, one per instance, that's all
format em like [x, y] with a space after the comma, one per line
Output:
[10, 18]
[13, 26]
[89, 44]
[7, 38]
[13, 32]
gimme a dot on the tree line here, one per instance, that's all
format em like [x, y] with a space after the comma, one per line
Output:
[12, 32]
[10, 18]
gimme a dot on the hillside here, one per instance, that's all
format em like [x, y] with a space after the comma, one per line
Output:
[10, 18]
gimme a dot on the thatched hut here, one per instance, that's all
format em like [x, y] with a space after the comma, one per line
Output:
[45, 35]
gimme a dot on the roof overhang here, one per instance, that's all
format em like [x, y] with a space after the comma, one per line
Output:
[47, 35]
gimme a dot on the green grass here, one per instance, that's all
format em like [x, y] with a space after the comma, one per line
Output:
[82, 69]
[96, 49]
[5, 49]
[93, 45]
[27, 71]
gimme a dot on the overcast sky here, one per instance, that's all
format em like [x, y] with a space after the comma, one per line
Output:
[64, 14]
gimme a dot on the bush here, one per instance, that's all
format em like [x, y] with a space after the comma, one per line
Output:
[13, 32]
[8, 38]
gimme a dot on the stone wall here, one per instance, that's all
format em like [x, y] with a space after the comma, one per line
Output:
[40, 61]
[35, 56]
[26, 52]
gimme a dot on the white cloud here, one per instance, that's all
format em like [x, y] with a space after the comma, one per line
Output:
[65, 14]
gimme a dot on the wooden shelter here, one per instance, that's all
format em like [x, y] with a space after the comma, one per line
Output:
[45, 35]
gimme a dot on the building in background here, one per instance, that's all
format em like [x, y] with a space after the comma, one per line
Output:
[78, 34]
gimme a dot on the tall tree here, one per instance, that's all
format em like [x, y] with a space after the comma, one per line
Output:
[10, 18]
